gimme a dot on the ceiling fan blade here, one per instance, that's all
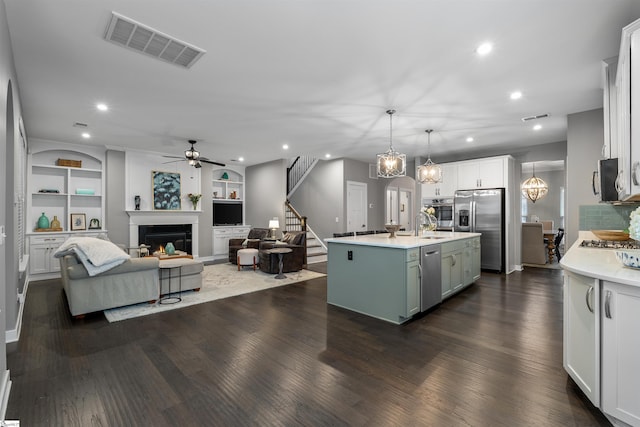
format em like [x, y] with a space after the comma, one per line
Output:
[174, 157]
[211, 162]
[173, 161]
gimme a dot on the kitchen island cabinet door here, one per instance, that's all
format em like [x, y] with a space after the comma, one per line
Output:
[581, 349]
[621, 352]
[452, 272]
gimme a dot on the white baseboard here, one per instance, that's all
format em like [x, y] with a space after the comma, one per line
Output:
[13, 335]
[5, 389]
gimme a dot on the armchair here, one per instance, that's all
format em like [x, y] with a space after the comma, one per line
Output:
[253, 242]
[294, 261]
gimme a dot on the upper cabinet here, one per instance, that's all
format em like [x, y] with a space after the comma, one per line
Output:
[228, 184]
[447, 187]
[65, 182]
[481, 173]
[627, 118]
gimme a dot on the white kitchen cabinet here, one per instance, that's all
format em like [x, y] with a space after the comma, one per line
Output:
[452, 267]
[221, 236]
[621, 352]
[610, 107]
[581, 346]
[471, 260]
[447, 187]
[413, 282]
[481, 173]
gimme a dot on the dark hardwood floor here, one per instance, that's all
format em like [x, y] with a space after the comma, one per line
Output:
[490, 356]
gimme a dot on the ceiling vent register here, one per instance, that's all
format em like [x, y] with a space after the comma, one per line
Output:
[128, 33]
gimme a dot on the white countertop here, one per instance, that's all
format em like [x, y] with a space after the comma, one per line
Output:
[403, 241]
[598, 263]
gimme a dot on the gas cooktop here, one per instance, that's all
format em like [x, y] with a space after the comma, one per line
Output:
[611, 244]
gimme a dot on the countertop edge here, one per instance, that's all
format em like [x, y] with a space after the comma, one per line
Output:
[402, 242]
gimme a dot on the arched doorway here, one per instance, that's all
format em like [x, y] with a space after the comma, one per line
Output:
[400, 202]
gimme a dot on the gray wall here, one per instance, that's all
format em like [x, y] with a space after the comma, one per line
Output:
[321, 197]
[548, 208]
[266, 191]
[116, 218]
[585, 136]
[10, 109]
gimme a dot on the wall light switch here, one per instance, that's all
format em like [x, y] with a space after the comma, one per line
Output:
[350, 255]
[370, 205]
[337, 219]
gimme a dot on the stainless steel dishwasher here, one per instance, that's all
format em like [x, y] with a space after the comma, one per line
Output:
[430, 277]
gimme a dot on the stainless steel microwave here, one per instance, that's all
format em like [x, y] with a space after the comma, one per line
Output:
[444, 212]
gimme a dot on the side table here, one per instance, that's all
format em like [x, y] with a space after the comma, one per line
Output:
[280, 252]
[168, 298]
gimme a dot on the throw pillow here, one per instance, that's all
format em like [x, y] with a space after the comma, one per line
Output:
[244, 244]
[279, 243]
[287, 238]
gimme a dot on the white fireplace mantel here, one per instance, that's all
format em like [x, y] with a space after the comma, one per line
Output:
[137, 218]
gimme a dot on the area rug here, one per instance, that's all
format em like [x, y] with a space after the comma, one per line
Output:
[218, 281]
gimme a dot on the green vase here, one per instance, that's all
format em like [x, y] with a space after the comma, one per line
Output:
[43, 221]
[170, 249]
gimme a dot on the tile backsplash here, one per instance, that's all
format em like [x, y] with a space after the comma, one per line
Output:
[605, 217]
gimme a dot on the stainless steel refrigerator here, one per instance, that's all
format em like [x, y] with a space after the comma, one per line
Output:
[482, 211]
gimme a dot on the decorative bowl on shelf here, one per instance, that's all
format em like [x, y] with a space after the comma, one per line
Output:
[629, 258]
[392, 228]
[611, 234]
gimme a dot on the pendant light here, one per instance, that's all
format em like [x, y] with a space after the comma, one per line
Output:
[391, 164]
[429, 172]
[534, 188]
[192, 155]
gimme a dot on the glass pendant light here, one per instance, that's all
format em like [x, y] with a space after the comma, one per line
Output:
[534, 188]
[429, 172]
[391, 164]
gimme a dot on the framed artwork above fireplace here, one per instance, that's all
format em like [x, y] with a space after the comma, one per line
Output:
[166, 190]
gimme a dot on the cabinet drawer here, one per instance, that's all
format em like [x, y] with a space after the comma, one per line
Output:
[413, 254]
[242, 231]
[454, 246]
[221, 232]
[48, 239]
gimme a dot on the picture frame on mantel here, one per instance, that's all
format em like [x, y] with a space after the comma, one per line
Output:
[166, 190]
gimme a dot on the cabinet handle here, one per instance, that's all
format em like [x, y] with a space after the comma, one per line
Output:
[619, 185]
[453, 258]
[607, 305]
[420, 271]
[634, 173]
[588, 298]
[593, 183]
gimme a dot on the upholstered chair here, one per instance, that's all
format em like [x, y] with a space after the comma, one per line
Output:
[251, 242]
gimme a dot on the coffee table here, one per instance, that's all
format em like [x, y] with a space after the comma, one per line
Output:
[280, 252]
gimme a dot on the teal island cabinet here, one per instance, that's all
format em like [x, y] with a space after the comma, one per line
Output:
[385, 277]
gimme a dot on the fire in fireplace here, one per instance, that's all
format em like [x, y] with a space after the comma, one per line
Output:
[156, 236]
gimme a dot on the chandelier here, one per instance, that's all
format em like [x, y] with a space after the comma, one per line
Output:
[429, 172]
[391, 164]
[534, 188]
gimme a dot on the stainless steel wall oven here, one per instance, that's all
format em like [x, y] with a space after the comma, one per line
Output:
[444, 212]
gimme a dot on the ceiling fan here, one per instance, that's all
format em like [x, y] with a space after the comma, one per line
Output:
[193, 157]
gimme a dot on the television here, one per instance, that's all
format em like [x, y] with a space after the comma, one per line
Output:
[227, 212]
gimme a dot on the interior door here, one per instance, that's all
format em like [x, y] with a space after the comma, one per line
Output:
[405, 208]
[356, 206]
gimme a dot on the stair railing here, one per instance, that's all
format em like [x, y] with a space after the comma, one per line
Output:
[296, 223]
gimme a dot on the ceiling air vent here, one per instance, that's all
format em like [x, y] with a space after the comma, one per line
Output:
[128, 33]
[539, 116]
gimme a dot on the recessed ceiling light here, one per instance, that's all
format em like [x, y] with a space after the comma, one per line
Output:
[327, 155]
[241, 159]
[537, 127]
[484, 48]
[516, 95]
[86, 135]
[469, 139]
[285, 146]
[102, 107]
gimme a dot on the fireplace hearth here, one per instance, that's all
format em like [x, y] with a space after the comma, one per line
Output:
[159, 235]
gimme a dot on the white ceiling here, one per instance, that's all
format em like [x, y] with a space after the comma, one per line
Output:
[316, 75]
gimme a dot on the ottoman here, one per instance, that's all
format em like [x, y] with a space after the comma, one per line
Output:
[247, 257]
[180, 273]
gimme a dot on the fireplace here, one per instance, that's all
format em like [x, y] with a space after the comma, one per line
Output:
[159, 235]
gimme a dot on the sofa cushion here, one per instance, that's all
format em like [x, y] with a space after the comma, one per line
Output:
[76, 270]
[258, 233]
[293, 237]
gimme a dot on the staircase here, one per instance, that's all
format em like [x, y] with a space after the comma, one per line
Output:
[316, 251]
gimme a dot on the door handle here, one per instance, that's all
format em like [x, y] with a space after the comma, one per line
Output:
[607, 305]
[588, 298]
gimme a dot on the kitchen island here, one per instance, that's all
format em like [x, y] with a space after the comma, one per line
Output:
[388, 278]
[601, 319]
